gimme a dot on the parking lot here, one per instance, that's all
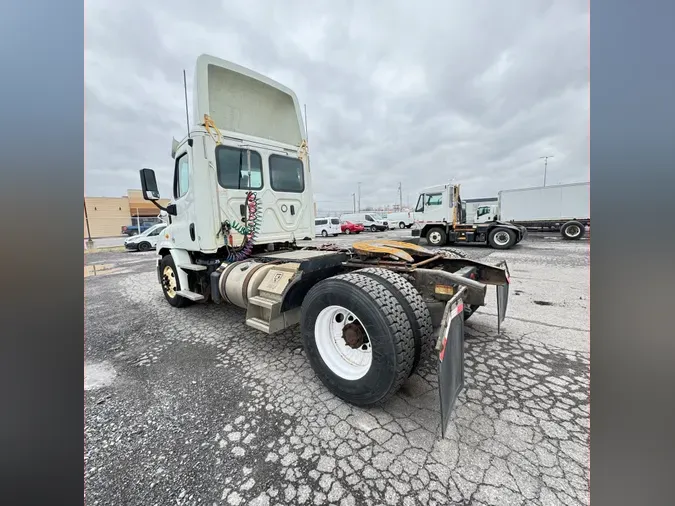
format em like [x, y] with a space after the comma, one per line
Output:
[191, 406]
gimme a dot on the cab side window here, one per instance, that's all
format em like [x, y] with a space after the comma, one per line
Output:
[434, 199]
[181, 176]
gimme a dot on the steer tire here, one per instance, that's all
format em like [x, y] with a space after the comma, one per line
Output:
[175, 300]
[389, 331]
[401, 225]
[373, 228]
[437, 237]
[144, 246]
[572, 231]
[414, 306]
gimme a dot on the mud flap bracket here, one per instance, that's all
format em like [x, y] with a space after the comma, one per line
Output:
[450, 348]
[502, 297]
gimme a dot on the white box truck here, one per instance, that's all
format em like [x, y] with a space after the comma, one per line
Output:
[563, 207]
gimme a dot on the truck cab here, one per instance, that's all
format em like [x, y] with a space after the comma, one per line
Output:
[486, 214]
[440, 219]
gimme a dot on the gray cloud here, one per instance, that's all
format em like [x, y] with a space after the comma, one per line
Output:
[419, 93]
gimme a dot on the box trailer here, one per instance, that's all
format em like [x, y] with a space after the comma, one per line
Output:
[564, 207]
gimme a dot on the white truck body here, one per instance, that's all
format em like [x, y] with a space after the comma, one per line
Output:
[554, 204]
[257, 121]
[242, 197]
[472, 205]
[402, 219]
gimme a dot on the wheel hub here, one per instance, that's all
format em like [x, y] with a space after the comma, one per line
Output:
[169, 281]
[354, 335]
[343, 342]
[501, 238]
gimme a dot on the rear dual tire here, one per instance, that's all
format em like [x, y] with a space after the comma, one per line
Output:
[341, 315]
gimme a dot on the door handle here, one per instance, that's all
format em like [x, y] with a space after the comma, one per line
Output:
[192, 231]
[292, 210]
[242, 211]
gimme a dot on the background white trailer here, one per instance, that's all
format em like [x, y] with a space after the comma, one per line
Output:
[552, 207]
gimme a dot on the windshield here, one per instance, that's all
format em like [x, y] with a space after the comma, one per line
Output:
[153, 230]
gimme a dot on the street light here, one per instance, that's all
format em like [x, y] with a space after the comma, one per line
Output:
[545, 165]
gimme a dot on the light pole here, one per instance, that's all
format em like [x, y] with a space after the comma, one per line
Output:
[545, 165]
[90, 243]
[359, 190]
[354, 202]
[400, 197]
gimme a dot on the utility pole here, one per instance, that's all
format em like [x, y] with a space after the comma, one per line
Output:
[354, 202]
[359, 190]
[90, 243]
[400, 197]
[545, 165]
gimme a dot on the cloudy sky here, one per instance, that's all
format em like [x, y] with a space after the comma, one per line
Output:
[417, 92]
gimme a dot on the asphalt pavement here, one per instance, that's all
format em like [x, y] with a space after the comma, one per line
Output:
[191, 406]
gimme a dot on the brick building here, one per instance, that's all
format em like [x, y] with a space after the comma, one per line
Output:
[107, 215]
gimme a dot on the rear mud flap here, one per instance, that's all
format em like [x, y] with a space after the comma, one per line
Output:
[502, 297]
[450, 349]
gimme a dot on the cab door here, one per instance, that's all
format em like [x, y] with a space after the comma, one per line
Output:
[183, 234]
[432, 208]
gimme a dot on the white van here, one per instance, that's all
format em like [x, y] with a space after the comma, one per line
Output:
[371, 221]
[401, 220]
[327, 226]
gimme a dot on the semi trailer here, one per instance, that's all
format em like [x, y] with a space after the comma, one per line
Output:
[563, 207]
[440, 218]
[241, 204]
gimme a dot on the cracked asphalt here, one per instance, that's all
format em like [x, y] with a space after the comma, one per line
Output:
[192, 407]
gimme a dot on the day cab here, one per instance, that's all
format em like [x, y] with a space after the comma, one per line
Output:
[440, 219]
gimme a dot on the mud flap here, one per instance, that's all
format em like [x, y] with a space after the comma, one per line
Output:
[450, 349]
[502, 297]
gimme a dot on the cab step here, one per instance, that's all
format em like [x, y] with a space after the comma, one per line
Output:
[258, 324]
[190, 295]
[192, 267]
[263, 302]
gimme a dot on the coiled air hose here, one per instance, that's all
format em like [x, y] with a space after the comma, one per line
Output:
[249, 230]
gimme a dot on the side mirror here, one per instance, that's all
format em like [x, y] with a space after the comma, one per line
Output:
[149, 184]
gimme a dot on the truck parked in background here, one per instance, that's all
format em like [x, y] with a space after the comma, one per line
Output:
[470, 206]
[402, 219]
[563, 207]
[440, 219]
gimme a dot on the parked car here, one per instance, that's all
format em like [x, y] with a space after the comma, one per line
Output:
[371, 221]
[146, 224]
[326, 226]
[348, 227]
[147, 240]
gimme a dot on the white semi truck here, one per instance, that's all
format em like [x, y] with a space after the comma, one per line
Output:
[242, 199]
[440, 218]
[563, 207]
